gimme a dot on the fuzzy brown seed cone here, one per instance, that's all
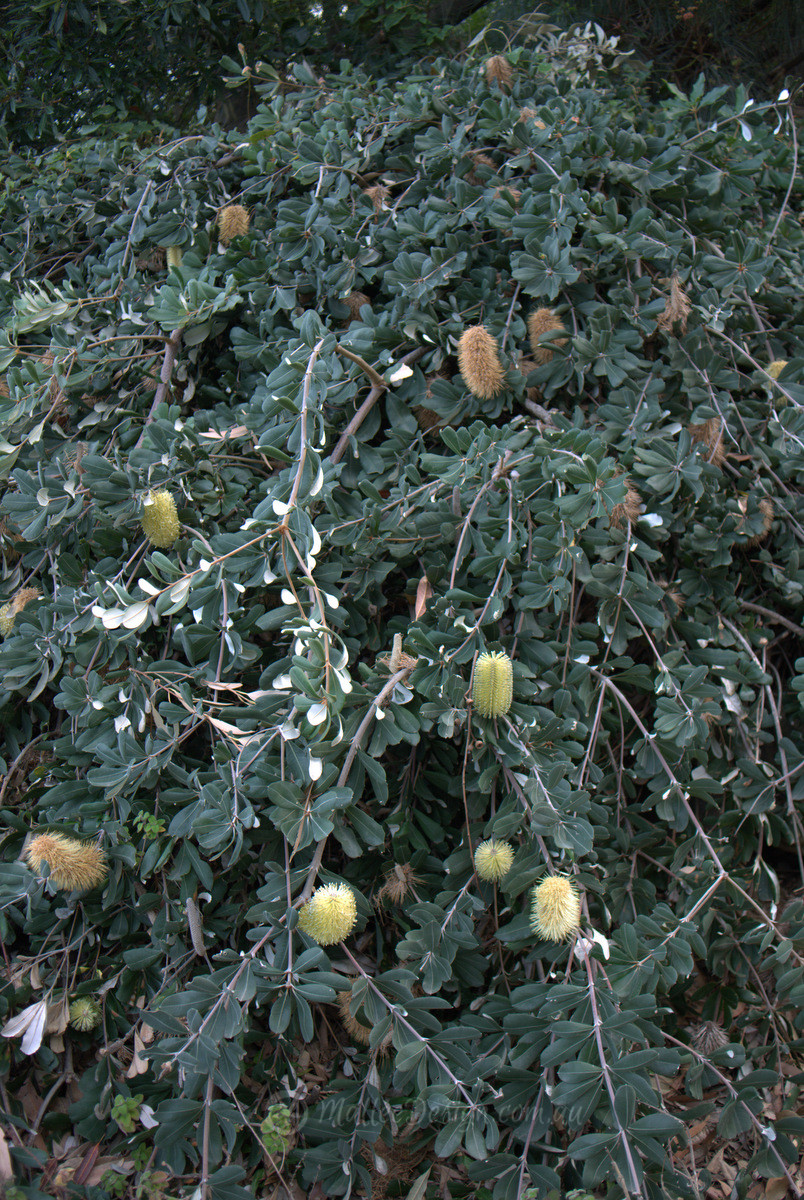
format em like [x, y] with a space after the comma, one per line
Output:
[426, 419]
[356, 1029]
[4, 392]
[529, 114]
[377, 195]
[628, 512]
[354, 302]
[544, 320]
[480, 160]
[479, 362]
[233, 221]
[511, 194]
[74, 866]
[768, 512]
[400, 881]
[498, 70]
[710, 435]
[526, 365]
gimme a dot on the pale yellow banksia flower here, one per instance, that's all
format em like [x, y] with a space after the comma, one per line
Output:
[493, 684]
[160, 520]
[555, 913]
[74, 866]
[15, 605]
[330, 915]
[233, 221]
[493, 859]
[498, 70]
[84, 1013]
[479, 362]
[776, 367]
[544, 320]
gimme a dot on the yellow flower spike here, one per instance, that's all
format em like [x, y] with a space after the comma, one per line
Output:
[233, 221]
[493, 859]
[555, 913]
[74, 866]
[330, 915]
[493, 684]
[544, 320]
[776, 367]
[15, 605]
[160, 520]
[84, 1014]
[479, 362]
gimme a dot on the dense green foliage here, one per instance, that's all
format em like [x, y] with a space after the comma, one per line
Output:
[231, 717]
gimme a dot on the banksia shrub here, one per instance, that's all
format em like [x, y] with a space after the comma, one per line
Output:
[493, 685]
[479, 362]
[84, 1013]
[330, 915]
[17, 603]
[160, 520]
[540, 321]
[498, 70]
[73, 866]
[233, 221]
[709, 434]
[493, 859]
[555, 913]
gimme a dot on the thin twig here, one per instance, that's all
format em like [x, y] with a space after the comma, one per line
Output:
[168, 363]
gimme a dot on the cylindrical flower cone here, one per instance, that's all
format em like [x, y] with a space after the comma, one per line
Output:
[330, 915]
[498, 70]
[540, 321]
[493, 684]
[73, 866]
[84, 1013]
[160, 520]
[233, 221]
[479, 362]
[555, 913]
[493, 859]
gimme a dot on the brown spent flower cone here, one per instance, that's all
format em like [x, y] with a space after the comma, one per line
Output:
[233, 221]
[709, 434]
[526, 365]
[354, 302]
[479, 362]
[15, 605]
[676, 310]
[74, 866]
[511, 194]
[544, 320]
[4, 392]
[356, 1029]
[499, 71]
[480, 160]
[377, 194]
[708, 1037]
[766, 508]
[626, 513]
[400, 881]
[529, 114]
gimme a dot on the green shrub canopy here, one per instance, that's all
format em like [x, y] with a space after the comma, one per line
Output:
[276, 697]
